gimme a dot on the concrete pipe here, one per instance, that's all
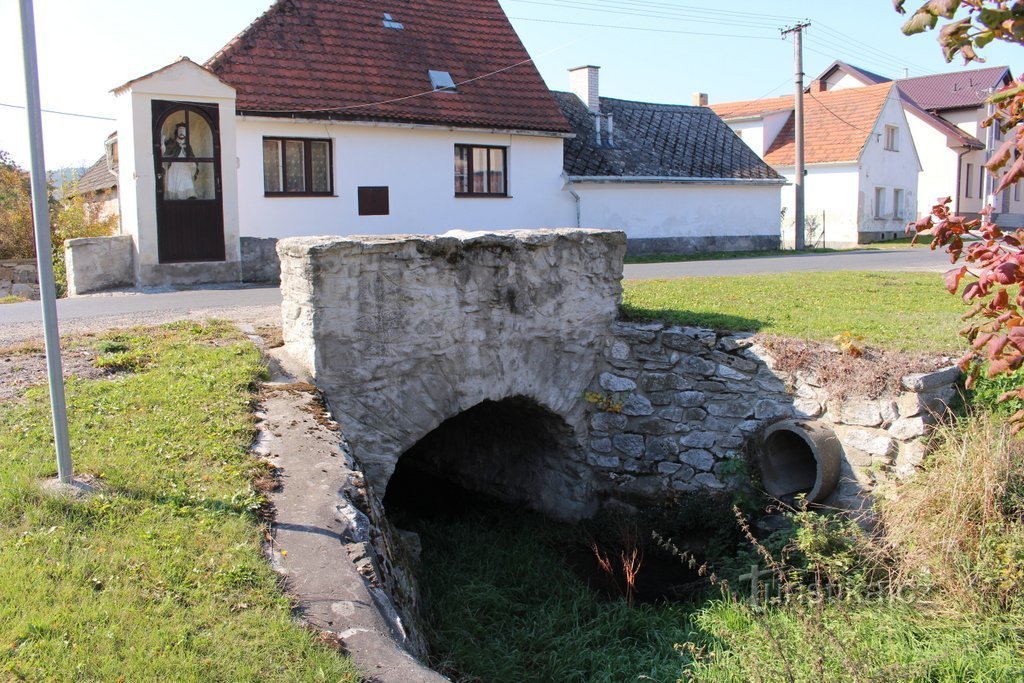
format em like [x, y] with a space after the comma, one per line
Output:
[800, 456]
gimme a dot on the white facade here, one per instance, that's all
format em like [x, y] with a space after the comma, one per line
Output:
[183, 81]
[681, 210]
[854, 202]
[416, 165]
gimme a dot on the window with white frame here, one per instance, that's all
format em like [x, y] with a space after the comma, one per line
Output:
[897, 203]
[892, 138]
[879, 202]
[297, 166]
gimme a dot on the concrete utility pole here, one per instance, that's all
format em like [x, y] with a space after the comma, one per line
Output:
[44, 248]
[798, 183]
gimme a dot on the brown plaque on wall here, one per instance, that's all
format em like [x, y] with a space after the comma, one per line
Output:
[373, 201]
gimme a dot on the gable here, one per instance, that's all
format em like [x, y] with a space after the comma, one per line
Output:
[346, 60]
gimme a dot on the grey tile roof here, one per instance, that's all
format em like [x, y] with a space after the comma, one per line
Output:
[97, 178]
[658, 141]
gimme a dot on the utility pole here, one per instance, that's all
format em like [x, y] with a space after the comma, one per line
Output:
[798, 183]
[47, 289]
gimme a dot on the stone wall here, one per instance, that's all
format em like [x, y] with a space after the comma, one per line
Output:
[98, 263]
[675, 409]
[19, 277]
[259, 260]
[404, 332]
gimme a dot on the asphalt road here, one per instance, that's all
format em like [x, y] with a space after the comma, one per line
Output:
[260, 305]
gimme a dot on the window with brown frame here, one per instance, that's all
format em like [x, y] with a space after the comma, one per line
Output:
[481, 171]
[297, 166]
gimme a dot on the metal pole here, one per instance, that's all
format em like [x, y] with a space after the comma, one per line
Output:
[44, 248]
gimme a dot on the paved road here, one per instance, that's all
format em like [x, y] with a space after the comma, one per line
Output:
[259, 305]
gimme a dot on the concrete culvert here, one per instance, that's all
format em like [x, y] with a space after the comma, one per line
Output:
[800, 456]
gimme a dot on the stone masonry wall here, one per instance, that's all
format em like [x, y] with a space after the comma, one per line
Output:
[674, 408]
[19, 277]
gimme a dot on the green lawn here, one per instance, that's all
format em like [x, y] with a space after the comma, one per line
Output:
[905, 311]
[161, 576]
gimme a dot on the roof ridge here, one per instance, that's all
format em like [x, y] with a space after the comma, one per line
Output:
[232, 44]
[947, 74]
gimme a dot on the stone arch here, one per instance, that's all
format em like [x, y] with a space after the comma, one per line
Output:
[513, 449]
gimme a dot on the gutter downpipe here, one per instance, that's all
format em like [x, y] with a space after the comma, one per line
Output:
[568, 187]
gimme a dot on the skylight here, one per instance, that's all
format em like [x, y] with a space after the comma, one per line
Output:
[441, 80]
[389, 22]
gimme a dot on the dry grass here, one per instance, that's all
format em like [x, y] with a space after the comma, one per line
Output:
[956, 525]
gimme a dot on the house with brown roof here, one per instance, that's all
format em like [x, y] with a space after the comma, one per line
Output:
[945, 112]
[338, 118]
[675, 178]
[860, 161]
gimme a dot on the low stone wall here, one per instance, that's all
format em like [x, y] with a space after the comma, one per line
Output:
[636, 246]
[98, 263]
[19, 277]
[676, 410]
[260, 262]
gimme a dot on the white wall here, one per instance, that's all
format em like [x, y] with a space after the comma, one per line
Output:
[841, 81]
[417, 165]
[831, 204]
[185, 82]
[647, 210]
[938, 164]
[889, 170]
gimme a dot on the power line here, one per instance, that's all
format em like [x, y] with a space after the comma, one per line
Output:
[630, 11]
[872, 48]
[825, 107]
[62, 113]
[645, 29]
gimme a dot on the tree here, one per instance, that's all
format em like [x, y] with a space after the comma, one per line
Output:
[992, 263]
[17, 239]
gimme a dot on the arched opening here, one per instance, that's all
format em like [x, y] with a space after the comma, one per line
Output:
[513, 450]
[799, 457]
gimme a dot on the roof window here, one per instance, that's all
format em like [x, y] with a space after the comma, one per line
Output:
[441, 80]
[389, 22]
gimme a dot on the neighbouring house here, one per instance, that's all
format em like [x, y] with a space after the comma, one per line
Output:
[98, 185]
[861, 179]
[674, 178]
[945, 112]
[344, 118]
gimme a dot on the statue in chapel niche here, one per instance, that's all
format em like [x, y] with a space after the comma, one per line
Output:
[179, 177]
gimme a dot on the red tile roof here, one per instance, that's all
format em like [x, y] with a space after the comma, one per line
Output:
[837, 123]
[336, 59]
[954, 90]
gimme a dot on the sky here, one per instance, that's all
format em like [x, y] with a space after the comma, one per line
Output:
[648, 50]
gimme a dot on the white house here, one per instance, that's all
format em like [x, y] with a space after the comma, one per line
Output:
[945, 112]
[861, 164]
[674, 178]
[328, 117]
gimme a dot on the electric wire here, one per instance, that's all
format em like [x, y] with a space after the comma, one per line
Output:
[62, 113]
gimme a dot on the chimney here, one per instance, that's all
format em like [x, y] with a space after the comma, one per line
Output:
[700, 99]
[819, 85]
[583, 84]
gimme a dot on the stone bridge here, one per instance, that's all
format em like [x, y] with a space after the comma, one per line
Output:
[496, 362]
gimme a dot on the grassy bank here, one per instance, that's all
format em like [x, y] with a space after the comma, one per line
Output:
[160, 576]
[905, 311]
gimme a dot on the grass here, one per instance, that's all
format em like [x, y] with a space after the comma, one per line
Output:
[11, 299]
[903, 311]
[161, 575]
[901, 243]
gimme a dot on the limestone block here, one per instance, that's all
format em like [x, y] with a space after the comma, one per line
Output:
[698, 459]
[675, 339]
[726, 372]
[695, 365]
[98, 263]
[662, 381]
[873, 443]
[637, 404]
[661, 448]
[767, 409]
[698, 439]
[637, 332]
[25, 291]
[661, 398]
[729, 442]
[860, 412]
[909, 428]
[807, 408]
[735, 362]
[630, 444]
[708, 481]
[603, 445]
[619, 350]
[770, 383]
[938, 401]
[709, 387]
[608, 422]
[674, 415]
[930, 381]
[652, 426]
[615, 383]
[684, 473]
[605, 461]
[910, 457]
[735, 342]
[26, 274]
[740, 408]
[888, 410]
[668, 468]
[694, 415]
[690, 399]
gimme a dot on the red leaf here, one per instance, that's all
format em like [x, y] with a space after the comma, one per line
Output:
[953, 277]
